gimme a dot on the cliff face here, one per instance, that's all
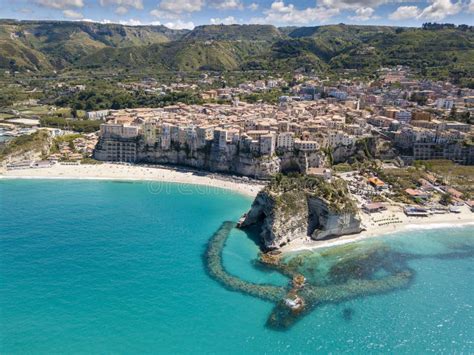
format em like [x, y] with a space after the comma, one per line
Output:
[330, 223]
[27, 147]
[224, 162]
[363, 149]
[231, 160]
[299, 212]
[282, 218]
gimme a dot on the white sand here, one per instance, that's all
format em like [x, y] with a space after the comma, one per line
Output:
[387, 222]
[108, 171]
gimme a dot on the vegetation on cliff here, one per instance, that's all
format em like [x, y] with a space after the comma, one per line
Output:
[288, 188]
[36, 143]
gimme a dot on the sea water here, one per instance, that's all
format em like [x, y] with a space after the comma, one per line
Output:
[117, 267]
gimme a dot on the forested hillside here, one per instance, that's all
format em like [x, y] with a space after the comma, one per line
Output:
[443, 51]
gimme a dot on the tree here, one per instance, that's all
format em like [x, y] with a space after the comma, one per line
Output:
[453, 112]
[445, 199]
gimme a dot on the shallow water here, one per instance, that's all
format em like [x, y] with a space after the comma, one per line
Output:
[118, 267]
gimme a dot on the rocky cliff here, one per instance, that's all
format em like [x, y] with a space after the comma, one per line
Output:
[230, 159]
[26, 147]
[292, 207]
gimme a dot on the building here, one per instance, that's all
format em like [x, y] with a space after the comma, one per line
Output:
[324, 173]
[374, 207]
[286, 141]
[117, 143]
[377, 183]
[306, 146]
[267, 144]
[97, 115]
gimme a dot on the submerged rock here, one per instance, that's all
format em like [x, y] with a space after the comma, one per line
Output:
[347, 314]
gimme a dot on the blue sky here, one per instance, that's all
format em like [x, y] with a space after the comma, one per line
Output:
[190, 13]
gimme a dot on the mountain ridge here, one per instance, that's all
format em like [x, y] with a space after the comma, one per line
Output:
[46, 45]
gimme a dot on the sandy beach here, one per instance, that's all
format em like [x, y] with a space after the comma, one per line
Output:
[109, 171]
[381, 223]
[392, 220]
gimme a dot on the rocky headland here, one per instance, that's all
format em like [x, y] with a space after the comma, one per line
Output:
[300, 206]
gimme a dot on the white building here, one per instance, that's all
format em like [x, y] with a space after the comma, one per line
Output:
[286, 141]
[337, 138]
[97, 115]
[445, 103]
[306, 146]
[118, 130]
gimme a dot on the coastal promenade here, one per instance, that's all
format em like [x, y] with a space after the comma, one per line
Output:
[107, 171]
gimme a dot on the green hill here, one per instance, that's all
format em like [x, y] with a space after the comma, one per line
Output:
[37, 45]
[178, 55]
[234, 33]
[440, 51]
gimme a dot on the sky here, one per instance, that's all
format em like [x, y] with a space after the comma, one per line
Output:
[191, 13]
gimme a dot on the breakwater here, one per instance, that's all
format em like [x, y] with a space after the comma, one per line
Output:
[350, 277]
[332, 275]
[215, 268]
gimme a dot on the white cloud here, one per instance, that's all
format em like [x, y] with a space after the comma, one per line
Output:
[254, 6]
[354, 4]
[439, 9]
[177, 9]
[25, 10]
[178, 25]
[165, 14]
[60, 4]
[229, 20]
[136, 4]
[280, 13]
[72, 14]
[181, 6]
[470, 7]
[405, 13]
[121, 10]
[123, 6]
[226, 4]
[103, 21]
[363, 14]
[131, 22]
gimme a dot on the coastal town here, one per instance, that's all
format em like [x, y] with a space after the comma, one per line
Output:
[302, 131]
[370, 135]
[236, 176]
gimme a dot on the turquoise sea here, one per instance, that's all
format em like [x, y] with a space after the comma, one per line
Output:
[118, 267]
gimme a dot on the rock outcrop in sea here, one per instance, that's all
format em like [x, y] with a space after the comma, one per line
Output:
[296, 206]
